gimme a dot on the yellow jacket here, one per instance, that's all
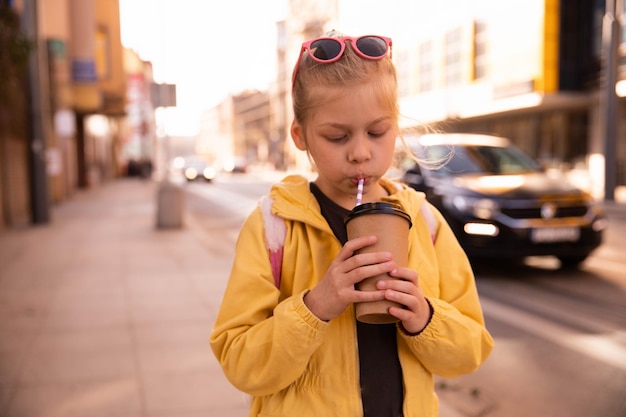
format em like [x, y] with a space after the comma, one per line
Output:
[293, 364]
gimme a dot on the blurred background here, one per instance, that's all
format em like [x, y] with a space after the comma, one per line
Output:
[107, 104]
[122, 88]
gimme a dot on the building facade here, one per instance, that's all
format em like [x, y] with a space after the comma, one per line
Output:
[532, 70]
[64, 125]
[538, 78]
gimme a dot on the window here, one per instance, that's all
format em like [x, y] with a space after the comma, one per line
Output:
[426, 74]
[480, 160]
[453, 58]
[480, 49]
[403, 69]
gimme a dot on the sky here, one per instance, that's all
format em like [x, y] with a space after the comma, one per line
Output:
[209, 49]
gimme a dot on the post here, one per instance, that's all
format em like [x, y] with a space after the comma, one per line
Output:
[36, 140]
[608, 102]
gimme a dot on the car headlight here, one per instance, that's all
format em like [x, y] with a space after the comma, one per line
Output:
[191, 173]
[482, 208]
[208, 173]
[481, 229]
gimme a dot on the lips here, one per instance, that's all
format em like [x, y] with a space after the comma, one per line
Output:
[355, 180]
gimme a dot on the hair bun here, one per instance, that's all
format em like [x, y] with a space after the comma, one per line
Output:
[334, 34]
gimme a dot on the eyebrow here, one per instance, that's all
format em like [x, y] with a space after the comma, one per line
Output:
[342, 125]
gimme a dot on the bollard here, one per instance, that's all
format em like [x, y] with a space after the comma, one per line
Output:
[170, 205]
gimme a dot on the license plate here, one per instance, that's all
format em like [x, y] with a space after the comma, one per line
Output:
[555, 234]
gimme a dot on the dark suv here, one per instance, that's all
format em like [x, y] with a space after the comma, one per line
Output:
[500, 203]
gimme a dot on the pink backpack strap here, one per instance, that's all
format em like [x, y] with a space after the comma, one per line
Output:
[276, 259]
[430, 219]
[275, 231]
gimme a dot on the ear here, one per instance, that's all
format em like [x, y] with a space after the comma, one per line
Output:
[297, 136]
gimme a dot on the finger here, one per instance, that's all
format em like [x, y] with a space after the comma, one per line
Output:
[364, 259]
[406, 299]
[401, 314]
[367, 296]
[406, 274]
[362, 272]
[356, 244]
[399, 285]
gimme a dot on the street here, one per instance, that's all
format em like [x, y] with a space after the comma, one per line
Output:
[560, 335]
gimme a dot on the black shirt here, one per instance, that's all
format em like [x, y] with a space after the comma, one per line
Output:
[379, 366]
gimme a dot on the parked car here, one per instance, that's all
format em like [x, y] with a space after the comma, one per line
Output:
[236, 165]
[196, 167]
[500, 203]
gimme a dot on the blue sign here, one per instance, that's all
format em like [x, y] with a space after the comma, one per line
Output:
[83, 70]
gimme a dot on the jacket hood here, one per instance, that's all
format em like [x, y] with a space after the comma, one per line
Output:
[293, 200]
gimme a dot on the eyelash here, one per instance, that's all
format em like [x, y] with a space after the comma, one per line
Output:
[336, 139]
[341, 138]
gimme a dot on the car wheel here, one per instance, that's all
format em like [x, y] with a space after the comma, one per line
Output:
[571, 262]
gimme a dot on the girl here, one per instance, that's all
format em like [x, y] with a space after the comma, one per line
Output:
[298, 349]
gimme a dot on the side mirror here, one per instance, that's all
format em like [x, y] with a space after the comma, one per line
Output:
[413, 177]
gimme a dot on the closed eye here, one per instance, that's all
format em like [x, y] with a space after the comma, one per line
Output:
[337, 139]
[376, 134]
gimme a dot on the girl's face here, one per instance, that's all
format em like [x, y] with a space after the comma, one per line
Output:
[350, 137]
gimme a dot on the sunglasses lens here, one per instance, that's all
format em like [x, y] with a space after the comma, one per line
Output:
[372, 46]
[325, 49]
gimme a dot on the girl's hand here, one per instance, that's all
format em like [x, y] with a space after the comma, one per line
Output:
[335, 292]
[406, 291]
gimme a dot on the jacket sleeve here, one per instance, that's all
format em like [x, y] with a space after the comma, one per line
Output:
[456, 341]
[261, 344]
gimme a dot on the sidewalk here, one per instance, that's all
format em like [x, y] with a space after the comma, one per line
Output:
[102, 314]
[615, 211]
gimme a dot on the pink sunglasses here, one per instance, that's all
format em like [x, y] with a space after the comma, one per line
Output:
[327, 50]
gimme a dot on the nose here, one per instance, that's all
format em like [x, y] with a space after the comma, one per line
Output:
[359, 149]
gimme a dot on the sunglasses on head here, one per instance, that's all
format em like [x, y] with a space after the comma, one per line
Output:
[327, 50]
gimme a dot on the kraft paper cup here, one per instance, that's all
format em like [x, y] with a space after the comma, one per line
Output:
[391, 224]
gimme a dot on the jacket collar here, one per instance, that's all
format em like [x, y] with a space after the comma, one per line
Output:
[293, 200]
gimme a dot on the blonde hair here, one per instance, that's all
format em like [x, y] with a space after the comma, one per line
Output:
[310, 88]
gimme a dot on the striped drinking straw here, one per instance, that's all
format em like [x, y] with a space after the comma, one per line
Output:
[359, 192]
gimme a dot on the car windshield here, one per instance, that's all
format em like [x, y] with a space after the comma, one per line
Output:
[493, 160]
[195, 161]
